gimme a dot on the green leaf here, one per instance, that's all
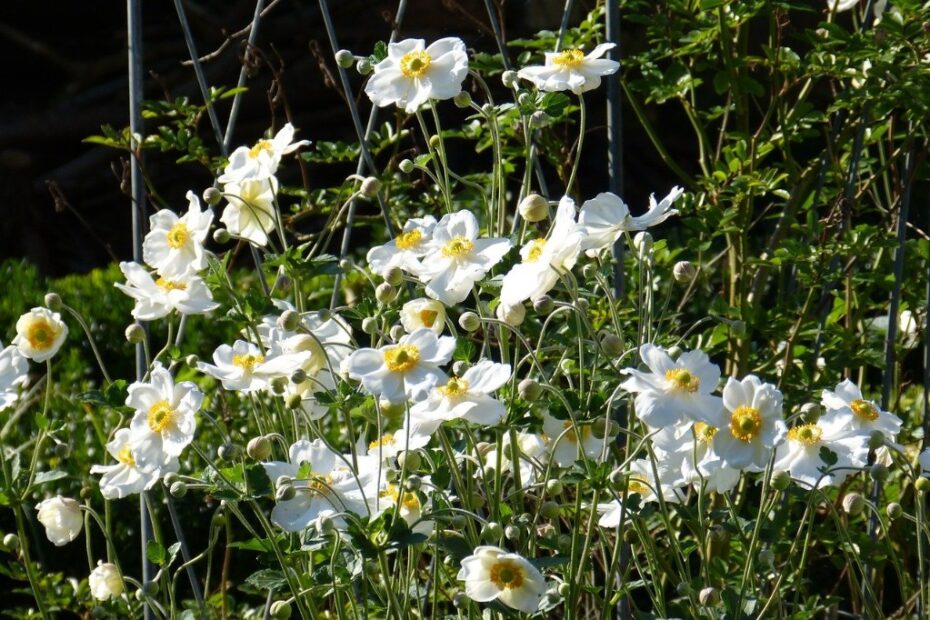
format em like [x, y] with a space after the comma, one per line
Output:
[155, 553]
[49, 476]
[266, 579]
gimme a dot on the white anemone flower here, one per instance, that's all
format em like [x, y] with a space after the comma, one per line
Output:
[325, 486]
[532, 452]
[751, 426]
[174, 245]
[39, 334]
[261, 160]
[127, 477]
[860, 414]
[491, 573]
[406, 370]
[674, 390]
[923, 462]
[606, 217]
[390, 444]
[105, 581]
[244, 367]
[423, 312]
[409, 506]
[157, 298]
[164, 423]
[571, 70]
[699, 464]
[544, 260]
[566, 442]
[456, 258]
[62, 519]
[642, 481]
[14, 374]
[800, 454]
[467, 397]
[250, 213]
[839, 6]
[413, 74]
[404, 250]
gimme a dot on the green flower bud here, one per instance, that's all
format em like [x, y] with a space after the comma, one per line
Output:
[397, 332]
[550, 510]
[394, 276]
[221, 236]
[534, 208]
[492, 531]
[363, 66]
[212, 196]
[285, 493]
[413, 483]
[229, 451]
[462, 100]
[894, 510]
[280, 610]
[178, 489]
[135, 333]
[879, 472]
[299, 376]
[370, 186]
[409, 459]
[406, 166]
[370, 325]
[529, 390]
[259, 448]
[344, 58]
[53, 302]
[293, 401]
[544, 305]
[853, 503]
[11, 541]
[460, 367]
[385, 293]
[709, 596]
[781, 480]
[612, 345]
[922, 484]
[512, 532]
[279, 385]
[470, 322]
[192, 360]
[509, 79]
[553, 487]
[539, 119]
[684, 271]
[289, 320]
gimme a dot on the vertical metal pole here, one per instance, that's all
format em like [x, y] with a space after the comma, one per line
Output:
[237, 98]
[134, 48]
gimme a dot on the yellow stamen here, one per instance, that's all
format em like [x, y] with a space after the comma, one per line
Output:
[402, 358]
[178, 236]
[864, 409]
[415, 64]
[808, 434]
[683, 380]
[454, 388]
[41, 334]
[428, 317]
[170, 285]
[247, 362]
[507, 574]
[535, 251]
[571, 435]
[160, 416]
[384, 441]
[261, 145]
[635, 485]
[569, 59]
[409, 240]
[319, 485]
[704, 432]
[411, 502]
[459, 246]
[745, 423]
[124, 456]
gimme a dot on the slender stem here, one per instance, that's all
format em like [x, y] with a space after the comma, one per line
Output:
[582, 122]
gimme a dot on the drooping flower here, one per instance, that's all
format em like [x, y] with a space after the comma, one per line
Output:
[126, 477]
[62, 519]
[456, 258]
[674, 390]
[858, 413]
[174, 245]
[800, 454]
[246, 368]
[571, 70]
[751, 426]
[105, 581]
[14, 374]
[642, 480]
[250, 213]
[157, 298]
[412, 73]
[39, 334]
[404, 250]
[606, 217]
[406, 370]
[260, 161]
[422, 312]
[491, 573]
[467, 397]
[567, 442]
[164, 421]
[545, 259]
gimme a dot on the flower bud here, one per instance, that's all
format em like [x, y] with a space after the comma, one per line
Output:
[529, 390]
[781, 480]
[589, 271]
[370, 186]
[363, 66]
[512, 532]
[397, 332]
[554, 487]
[259, 448]
[62, 519]
[289, 320]
[344, 58]
[766, 558]
[435, 141]
[612, 344]
[509, 78]
[149, 588]
[492, 531]
[460, 367]
[894, 510]
[524, 98]
[643, 243]
[280, 610]
[683, 588]
[105, 582]
[684, 271]
[534, 208]
[459, 600]
[922, 484]
[459, 521]
[212, 196]
[135, 333]
[346, 264]
[385, 293]
[564, 589]
[293, 401]
[221, 236]
[53, 302]
[462, 100]
[539, 119]
[370, 325]
[178, 489]
[544, 305]
[853, 503]
[406, 166]
[11, 541]
[413, 483]
[285, 492]
[708, 596]
[879, 472]
[394, 276]
[549, 510]
[470, 322]
[876, 440]
[192, 360]
[512, 315]
[299, 376]
[409, 459]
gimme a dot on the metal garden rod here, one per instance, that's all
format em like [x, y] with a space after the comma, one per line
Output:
[566, 14]
[237, 98]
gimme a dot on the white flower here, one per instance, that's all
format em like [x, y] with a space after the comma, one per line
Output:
[571, 70]
[456, 258]
[923, 461]
[606, 217]
[642, 481]
[907, 328]
[691, 445]
[674, 390]
[127, 477]
[39, 334]
[406, 370]
[250, 213]
[752, 425]
[491, 573]
[545, 259]
[839, 6]
[174, 245]
[244, 367]
[157, 298]
[164, 421]
[105, 581]
[411, 75]
[858, 413]
[422, 312]
[409, 507]
[14, 373]
[404, 250]
[464, 397]
[800, 454]
[389, 445]
[260, 161]
[531, 448]
[62, 519]
[566, 442]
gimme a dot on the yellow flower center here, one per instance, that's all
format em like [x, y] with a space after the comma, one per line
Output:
[536, 249]
[683, 380]
[507, 574]
[247, 362]
[458, 247]
[41, 334]
[864, 409]
[745, 423]
[390, 493]
[178, 236]
[124, 456]
[571, 435]
[569, 59]
[260, 146]
[383, 442]
[635, 485]
[808, 434]
[704, 432]
[415, 64]
[402, 358]
[409, 240]
[170, 285]
[411, 502]
[454, 388]
[428, 317]
[319, 485]
[160, 416]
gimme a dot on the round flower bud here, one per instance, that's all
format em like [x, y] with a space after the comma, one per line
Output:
[394, 276]
[683, 588]
[370, 186]
[293, 401]
[170, 478]
[582, 305]
[212, 196]
[221, 236]
[178, 489]
[363, 66]
[344, 58]
[553, 487]
[229, 451]
[618, 480]
[811, 412]
[62, 450]
[435, 141]
[512, 532]
[460, 367]
[259, 448]
[675, 352]
[385, 293]
[853, 503]
[564, 589]
[708, 596]
[149, 588]
[876, 440]
[53, 302]
[922, 484]
[11, 541]
[534, 208]
[462, 100]
[553, 597]
[413, 483]
[894, 510]
[491, 531]
[459, 521]
[589, 271]
[549, 510]
[409, 459]
[135, 333]
[289, 320]
[280, 610]
[684, 271]
[459, 600]
[406, 166]
[470, 322]
[105, 582]
[285, 492]
[539, 119]
[524, 98]
[509, 79]
[612, 344]
[397, 332]
[643, 243]
[192, 360]
[543, 305]
[279, 385]
[512, 315]
[781, 480]
[879, 472]
[529, 390]
[299, 376]
[345, 264]
[370, 325]
[62, 519]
